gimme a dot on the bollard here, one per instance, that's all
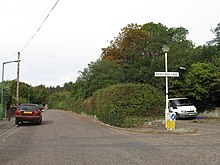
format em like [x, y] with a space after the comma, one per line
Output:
[171, 121]
[168, 121]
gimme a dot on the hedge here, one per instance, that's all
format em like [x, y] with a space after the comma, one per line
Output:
[125, 105]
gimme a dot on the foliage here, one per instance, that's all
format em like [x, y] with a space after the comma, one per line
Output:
[216, 40]
[122, 104]
[39, 94]
[144, 41]
[99, 75]
[6, 97]
[143, 55]
[123, 43]
[202, 83]
[60, 100]
[27, 93]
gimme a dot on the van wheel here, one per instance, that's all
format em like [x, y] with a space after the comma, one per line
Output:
[177, 116]
[16, 122]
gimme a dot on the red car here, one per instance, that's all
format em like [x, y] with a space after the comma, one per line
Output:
[28, 112]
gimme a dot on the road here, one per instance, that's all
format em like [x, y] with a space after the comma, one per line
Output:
[65, 138]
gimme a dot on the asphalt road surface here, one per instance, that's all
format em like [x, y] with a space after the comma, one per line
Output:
[65, 138]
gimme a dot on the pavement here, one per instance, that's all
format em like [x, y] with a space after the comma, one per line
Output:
[7, 122]
[155, 127]
[161, 129]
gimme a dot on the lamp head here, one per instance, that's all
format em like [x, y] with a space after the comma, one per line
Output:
[165, 49]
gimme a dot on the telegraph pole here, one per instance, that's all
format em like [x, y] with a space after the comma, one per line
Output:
[18, 68]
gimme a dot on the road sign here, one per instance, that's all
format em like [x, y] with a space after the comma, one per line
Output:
[166, 74]
[173, 116]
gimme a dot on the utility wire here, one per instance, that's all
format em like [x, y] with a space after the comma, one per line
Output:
[40, 26]
[42, 17]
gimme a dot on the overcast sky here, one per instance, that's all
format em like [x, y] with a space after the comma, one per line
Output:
[75, 31]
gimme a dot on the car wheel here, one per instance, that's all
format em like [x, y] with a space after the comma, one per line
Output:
[177, 116]
[16, 122]
[40, 122]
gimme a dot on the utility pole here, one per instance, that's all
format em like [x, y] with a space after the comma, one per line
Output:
[18, 68]
[2, 94]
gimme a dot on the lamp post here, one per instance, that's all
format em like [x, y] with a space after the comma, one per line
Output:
[166, 49]
[182, 68]
[2, 92]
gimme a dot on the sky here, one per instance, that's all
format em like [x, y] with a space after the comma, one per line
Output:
[75, 31]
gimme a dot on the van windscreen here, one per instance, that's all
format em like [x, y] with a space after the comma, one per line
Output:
[182, 102]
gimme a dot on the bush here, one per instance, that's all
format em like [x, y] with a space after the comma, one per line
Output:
[125, 105]
[133, 121]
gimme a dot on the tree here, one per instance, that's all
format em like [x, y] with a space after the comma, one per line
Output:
[7, 97]
[123, 43]
[202, 84]
[40, 94]
[99, 75]
[23, 91]
[216, 32]
[146, 56]
[68, 86]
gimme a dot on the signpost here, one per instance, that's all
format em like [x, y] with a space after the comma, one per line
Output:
[170, 123]
[166, 74]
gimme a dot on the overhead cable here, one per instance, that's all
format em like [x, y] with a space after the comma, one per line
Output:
[40, 26]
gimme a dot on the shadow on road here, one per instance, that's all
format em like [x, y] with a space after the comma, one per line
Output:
[35, 124]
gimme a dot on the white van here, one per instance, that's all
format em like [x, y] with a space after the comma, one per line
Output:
[182, 107]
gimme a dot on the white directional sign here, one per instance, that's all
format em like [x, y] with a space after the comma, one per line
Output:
[166, 74]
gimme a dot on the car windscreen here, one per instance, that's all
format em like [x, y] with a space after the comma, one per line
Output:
[182, 102]
[28, 107]
[40, 106]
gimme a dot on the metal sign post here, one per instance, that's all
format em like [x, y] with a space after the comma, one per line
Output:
[166, 74]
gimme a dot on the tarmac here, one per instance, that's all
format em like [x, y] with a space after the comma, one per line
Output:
[6, 126]
[154, 127]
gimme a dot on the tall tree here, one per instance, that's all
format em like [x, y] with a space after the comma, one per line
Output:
[216, 32]
[99, 75]
[40, 94]
[202, 83]
[146, 56]
[123, 43]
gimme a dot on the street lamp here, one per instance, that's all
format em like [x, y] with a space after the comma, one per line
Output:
[182, 68]
[2, 93]
[166, 49]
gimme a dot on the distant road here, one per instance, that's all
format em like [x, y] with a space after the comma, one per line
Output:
[65, 138]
